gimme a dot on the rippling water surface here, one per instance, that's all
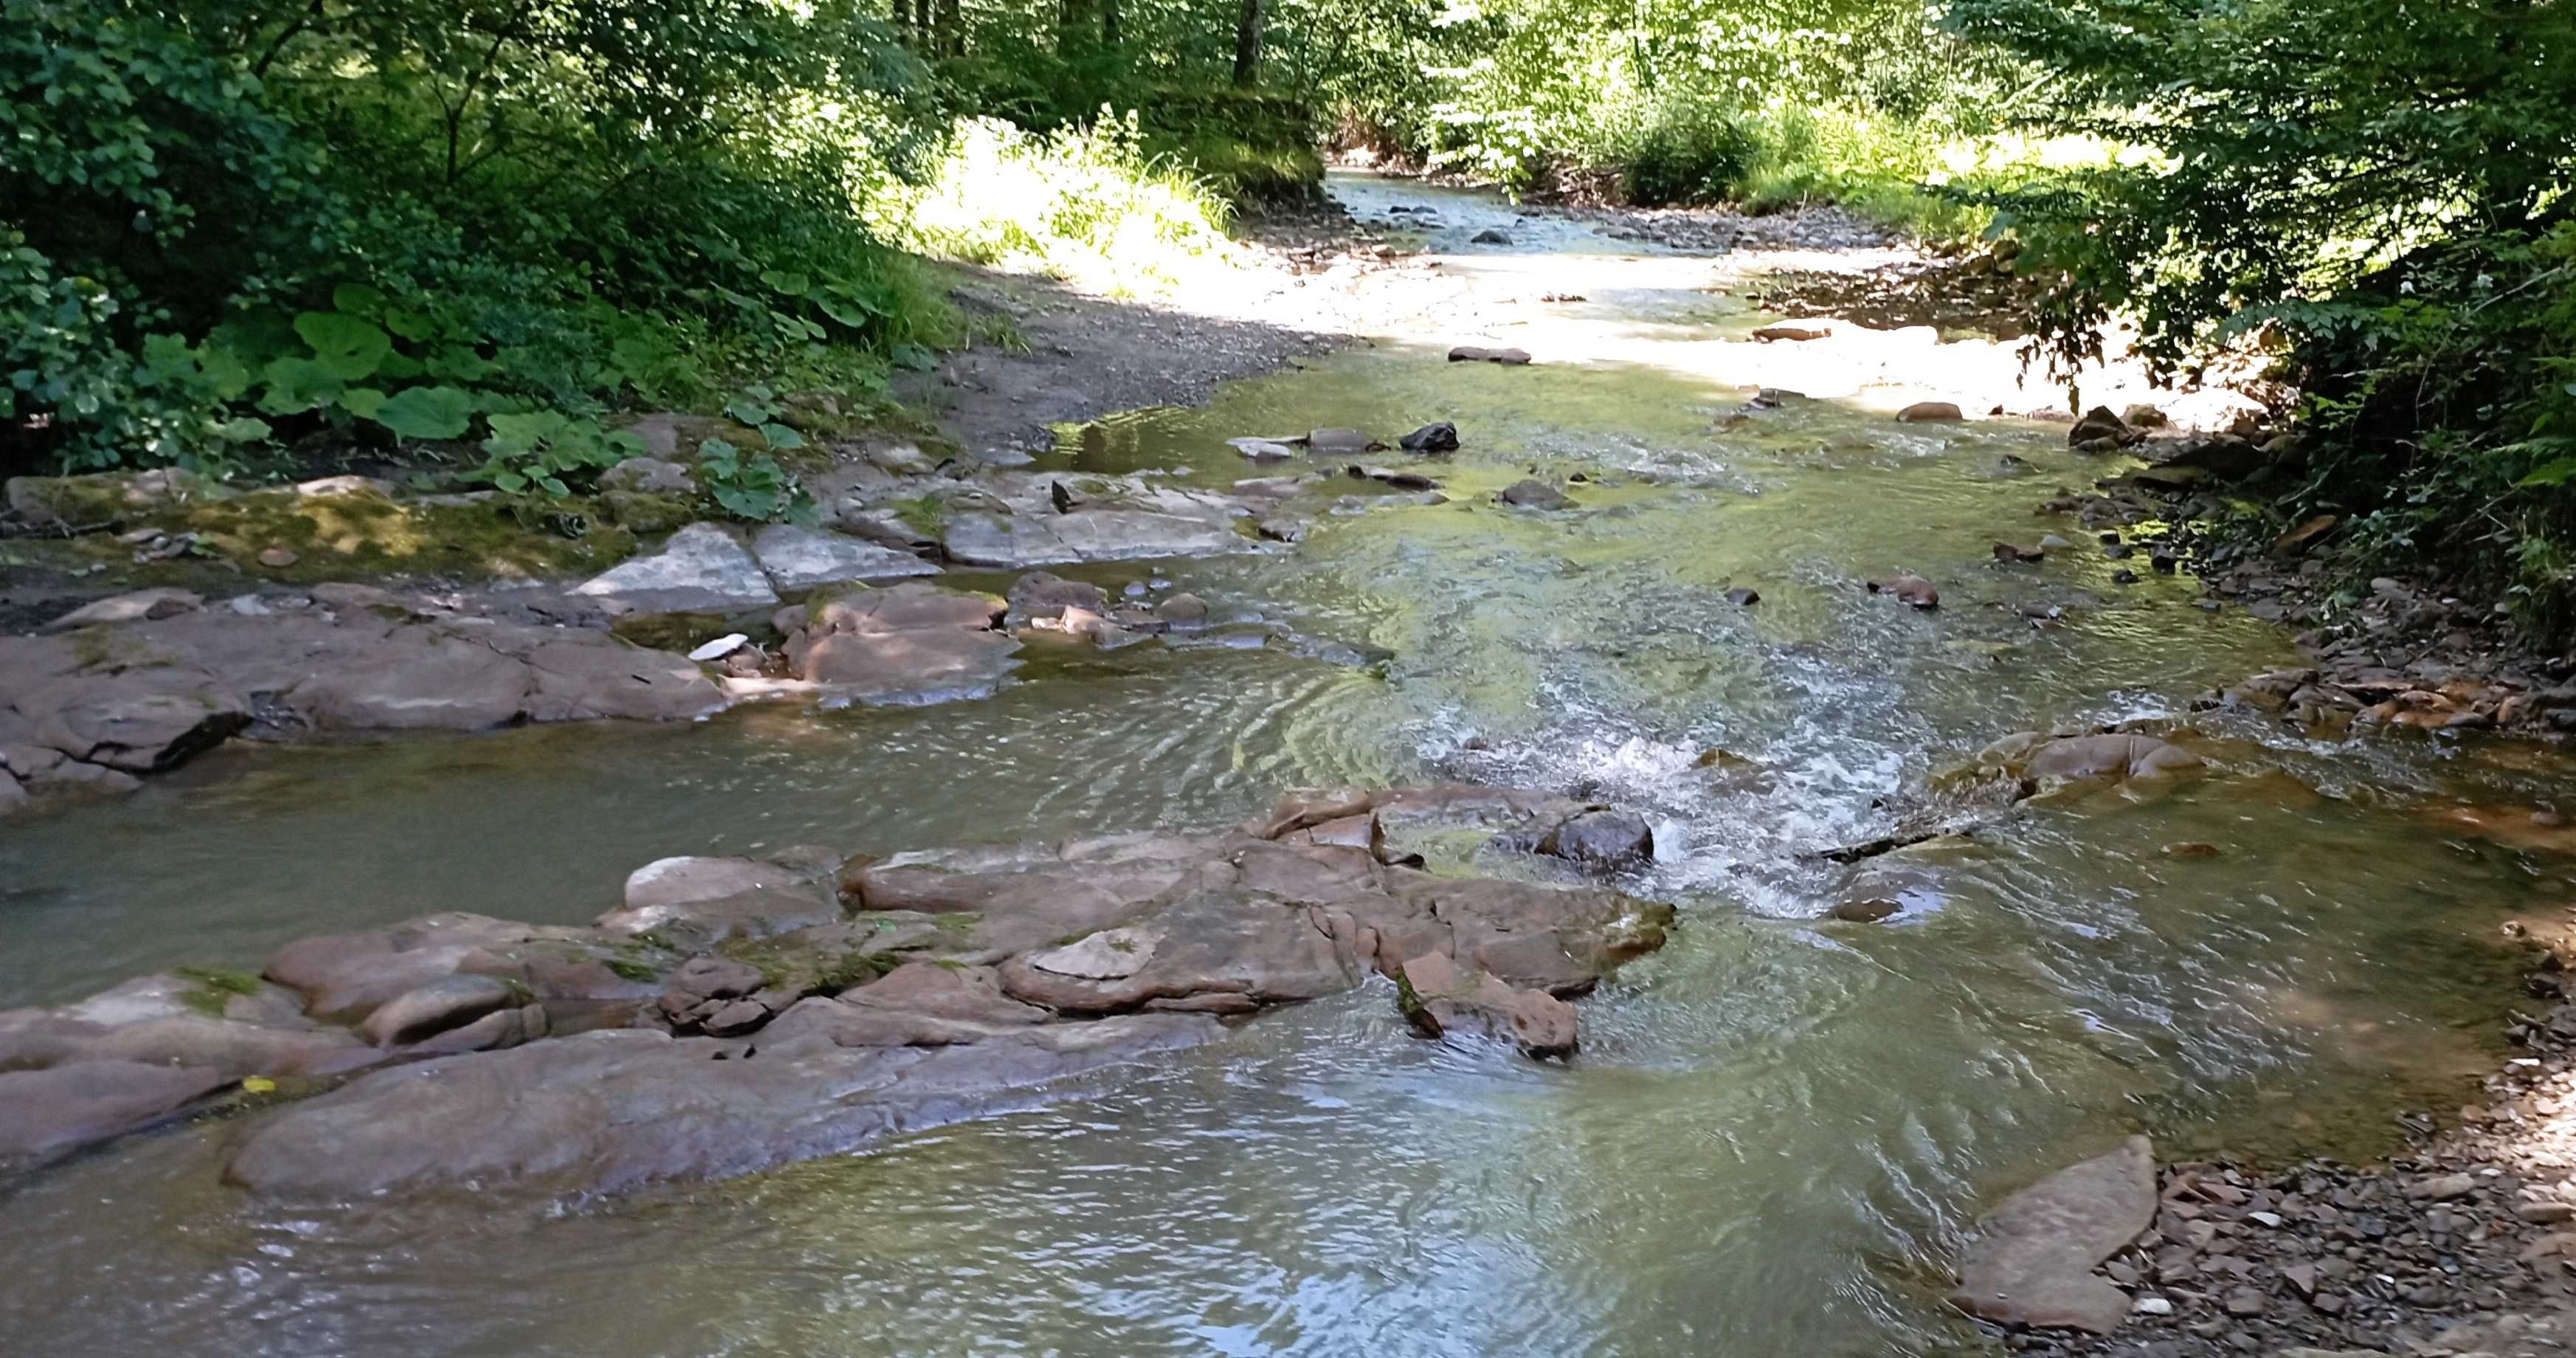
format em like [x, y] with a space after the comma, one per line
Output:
[1777, 1127]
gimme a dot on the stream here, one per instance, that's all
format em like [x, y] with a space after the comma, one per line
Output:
[1777, 1129]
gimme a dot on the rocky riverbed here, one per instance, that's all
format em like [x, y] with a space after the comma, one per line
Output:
[733, 1014]
[2460, 1247]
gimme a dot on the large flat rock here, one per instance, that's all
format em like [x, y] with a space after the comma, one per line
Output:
[2033, 1259]
[611, 1112]
[1012, 541]
[798, 558]
[150, 687]
[700, 569]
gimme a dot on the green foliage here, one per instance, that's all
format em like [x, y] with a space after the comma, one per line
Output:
[2380, 195]
[549, 451]
[750, 485]
[1689, 152]
[232, 224]
[1085, 202]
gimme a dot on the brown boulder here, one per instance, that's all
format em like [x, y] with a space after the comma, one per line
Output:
[1441, 1000]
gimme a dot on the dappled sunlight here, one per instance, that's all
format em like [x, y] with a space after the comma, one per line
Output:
[1087, 205]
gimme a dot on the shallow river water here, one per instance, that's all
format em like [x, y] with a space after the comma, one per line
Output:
[1777, 1128]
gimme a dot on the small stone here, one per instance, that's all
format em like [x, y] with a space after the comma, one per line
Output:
[2151, 1306]
[2245, 1301]
[1744, 598]
[277, 558]
[721, 647]
[2546, 1213]
[2442, 1188]
[2271, 1219]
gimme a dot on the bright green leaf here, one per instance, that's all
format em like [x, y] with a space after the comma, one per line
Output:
[427, 413]
[349, 346]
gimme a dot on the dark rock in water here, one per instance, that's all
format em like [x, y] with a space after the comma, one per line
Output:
[1931, 412]
[1471, 353]
[2100, 423]
[1744, 598]
[1602, 838]
[2005, 551]
[2032, 1262]
[1064, 500]
[1392, 476]
[1909, 589]
[1492, 236]
[1535, 494]
[1431, 438]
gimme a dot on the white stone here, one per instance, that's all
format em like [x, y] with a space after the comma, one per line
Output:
[806, 558]
[1108, 955]
[2152, 1306]
[721, 647]
[700, 570]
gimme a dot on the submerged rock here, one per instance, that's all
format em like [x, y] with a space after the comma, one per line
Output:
[1535, 494]
[1471, 353]
[1441, 1000]
[2032, 1262]
[909, 643]
[1912, 590]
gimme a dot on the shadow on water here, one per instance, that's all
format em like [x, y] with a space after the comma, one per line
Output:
[1777, 1128]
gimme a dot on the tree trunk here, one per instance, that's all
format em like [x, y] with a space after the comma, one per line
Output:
[952, 30]
[1247, 44]
[1109, 23]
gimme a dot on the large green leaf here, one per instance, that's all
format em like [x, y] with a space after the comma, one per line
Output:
[349, 346]
[296, 385]
[427, 412]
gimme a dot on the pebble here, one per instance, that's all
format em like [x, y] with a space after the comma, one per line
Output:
[277, 558]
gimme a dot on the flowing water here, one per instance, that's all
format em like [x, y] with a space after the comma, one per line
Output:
[1777, 1128]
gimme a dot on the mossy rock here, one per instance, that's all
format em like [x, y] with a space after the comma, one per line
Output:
[106, 499]
[338, 537]
[647, 512]
[216, 988]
